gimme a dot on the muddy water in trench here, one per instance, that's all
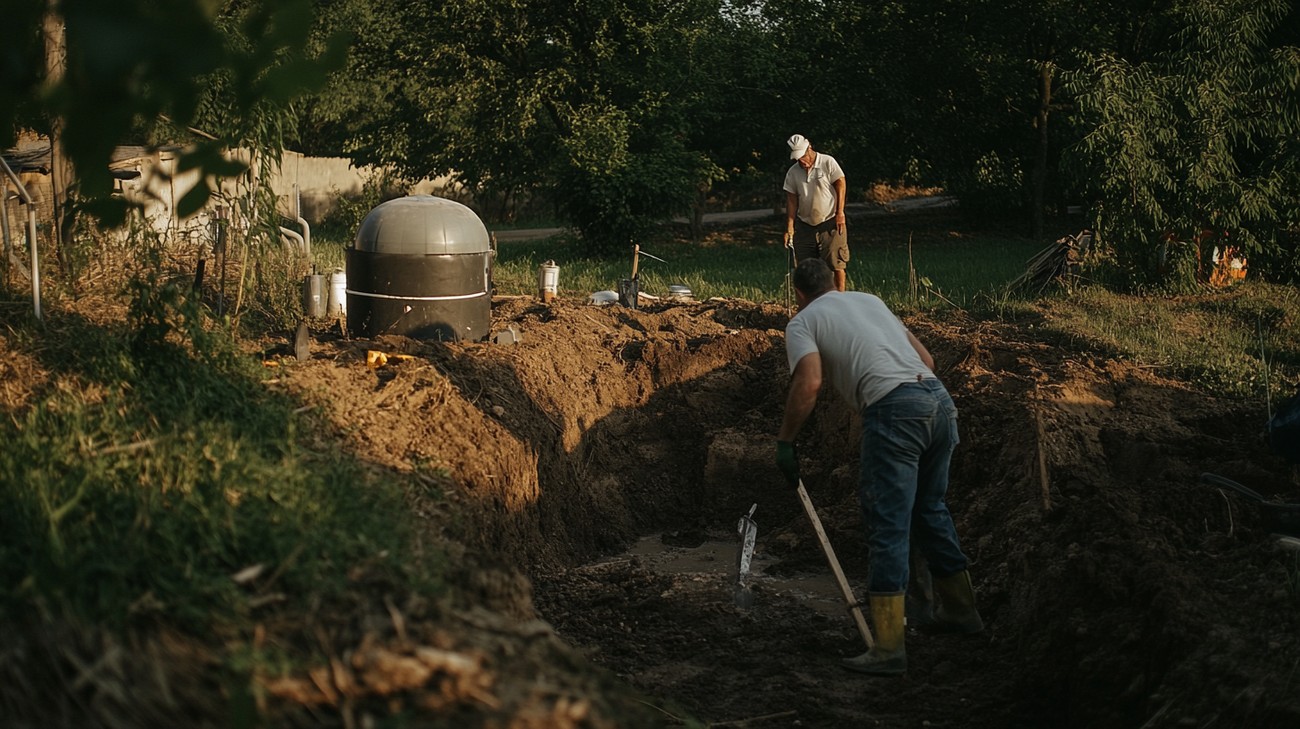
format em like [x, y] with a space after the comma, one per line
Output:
[712, 566]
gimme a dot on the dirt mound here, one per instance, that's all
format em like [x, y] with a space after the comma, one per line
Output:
[1118, 590]
[571, 441]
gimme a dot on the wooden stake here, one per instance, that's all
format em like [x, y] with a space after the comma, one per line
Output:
[1042, 450]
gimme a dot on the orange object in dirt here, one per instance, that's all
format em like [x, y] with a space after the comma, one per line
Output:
[376, 358]
[1229, 266]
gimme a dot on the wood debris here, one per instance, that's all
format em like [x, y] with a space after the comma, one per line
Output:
[1061, 260]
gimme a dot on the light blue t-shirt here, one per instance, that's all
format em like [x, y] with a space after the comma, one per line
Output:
[864, 348]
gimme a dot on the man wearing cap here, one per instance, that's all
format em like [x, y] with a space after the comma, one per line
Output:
[814, 207]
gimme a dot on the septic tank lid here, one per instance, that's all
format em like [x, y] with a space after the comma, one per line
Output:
[421, 225]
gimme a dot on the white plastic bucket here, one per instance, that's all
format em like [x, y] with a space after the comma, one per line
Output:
[338, 299]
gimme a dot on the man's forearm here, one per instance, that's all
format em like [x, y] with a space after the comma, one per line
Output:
[802, 398]
[798, 406]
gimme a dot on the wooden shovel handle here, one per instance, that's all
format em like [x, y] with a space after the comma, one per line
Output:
[636, 257]
[855, 609]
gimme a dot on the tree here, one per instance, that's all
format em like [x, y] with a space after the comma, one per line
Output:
[133, 62]
[1194, 147]
[591, 102]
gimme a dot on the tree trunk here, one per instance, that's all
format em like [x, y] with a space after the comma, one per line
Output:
[61, 173]
[1039, 184]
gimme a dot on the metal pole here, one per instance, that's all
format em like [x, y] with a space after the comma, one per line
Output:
[306, 229]
[36, 262]
[31, 236]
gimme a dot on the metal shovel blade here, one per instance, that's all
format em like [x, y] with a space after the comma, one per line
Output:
[748, 531]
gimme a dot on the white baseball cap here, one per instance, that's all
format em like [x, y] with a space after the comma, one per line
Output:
[798, 145]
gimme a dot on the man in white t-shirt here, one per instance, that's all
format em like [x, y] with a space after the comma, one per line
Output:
[909, 431]
[814, 208]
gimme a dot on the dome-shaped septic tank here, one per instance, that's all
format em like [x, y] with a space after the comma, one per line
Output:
[421, 267]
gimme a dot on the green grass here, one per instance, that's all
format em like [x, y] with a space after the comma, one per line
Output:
[159, 466]
[958, 271]
[1227, 342]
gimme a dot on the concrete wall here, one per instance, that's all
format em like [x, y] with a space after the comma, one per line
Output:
[322, 181]
[319, 183]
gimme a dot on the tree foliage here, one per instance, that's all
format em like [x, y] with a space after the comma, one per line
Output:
[1194, 146]
[592, 102]
[1172, 115]
[230, 66]
[626, 110]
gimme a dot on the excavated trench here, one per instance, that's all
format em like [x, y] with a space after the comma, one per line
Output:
[609, 454]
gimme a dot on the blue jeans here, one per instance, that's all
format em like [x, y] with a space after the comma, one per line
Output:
[908, 437]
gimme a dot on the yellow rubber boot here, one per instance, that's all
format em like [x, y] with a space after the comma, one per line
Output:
[957, 612]
[889, 656]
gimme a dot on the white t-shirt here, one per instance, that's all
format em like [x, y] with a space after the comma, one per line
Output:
[815, 188]
[864, 348]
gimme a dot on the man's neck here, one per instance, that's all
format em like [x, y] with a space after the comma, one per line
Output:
[813, 297]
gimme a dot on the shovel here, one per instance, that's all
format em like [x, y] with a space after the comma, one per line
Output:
[790, 262]
[855, 609]
[748, 530]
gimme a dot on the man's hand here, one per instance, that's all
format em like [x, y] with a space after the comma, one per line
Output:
[788, 461]
[789, 239]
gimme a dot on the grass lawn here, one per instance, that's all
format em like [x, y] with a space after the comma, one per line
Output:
[748, 262]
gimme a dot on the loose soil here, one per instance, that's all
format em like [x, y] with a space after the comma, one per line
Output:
[1117, 590]
[586, 482]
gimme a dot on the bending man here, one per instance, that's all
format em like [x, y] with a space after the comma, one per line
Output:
[909, 431]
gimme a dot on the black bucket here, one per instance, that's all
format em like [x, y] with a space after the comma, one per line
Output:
[627, 292]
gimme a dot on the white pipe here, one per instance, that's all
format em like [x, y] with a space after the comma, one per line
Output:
[297, 216]
[306, 237]
[289, 233]
[31, 237]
